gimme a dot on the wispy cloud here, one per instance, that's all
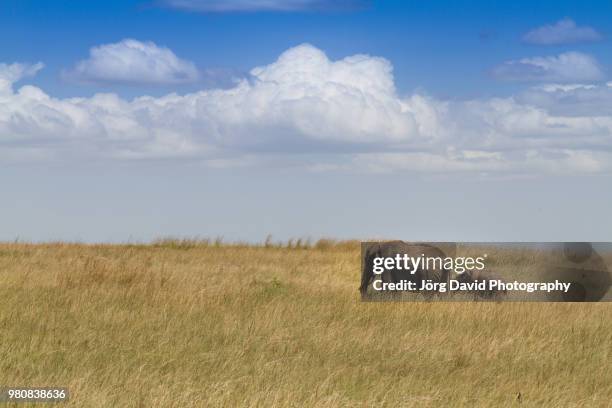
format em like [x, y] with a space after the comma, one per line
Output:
[225, 6]
[565, 67]
[10, 73]
[562, 32]
[305, 102]
[133, 62]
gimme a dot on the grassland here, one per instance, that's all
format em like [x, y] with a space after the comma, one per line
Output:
[193, 324]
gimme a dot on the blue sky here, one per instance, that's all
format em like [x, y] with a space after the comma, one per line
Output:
[446, 48]
[299, 103]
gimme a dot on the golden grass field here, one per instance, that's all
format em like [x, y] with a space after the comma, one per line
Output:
[196, 324]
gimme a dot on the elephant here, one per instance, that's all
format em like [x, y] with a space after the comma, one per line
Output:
[586, 270]
[392, 248]
[482, 275]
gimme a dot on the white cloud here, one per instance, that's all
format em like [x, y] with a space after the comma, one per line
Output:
[134, 62]
[14, 72]
[562, 32]
[566, 67]
[221, 6]
[346, 110]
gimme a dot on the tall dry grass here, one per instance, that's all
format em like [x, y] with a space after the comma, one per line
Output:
[195, 323]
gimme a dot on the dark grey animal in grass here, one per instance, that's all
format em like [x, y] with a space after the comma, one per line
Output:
[480, 276]
[584, 269]
[437, 273]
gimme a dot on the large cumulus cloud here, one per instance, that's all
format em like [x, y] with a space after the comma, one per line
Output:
[346, 110]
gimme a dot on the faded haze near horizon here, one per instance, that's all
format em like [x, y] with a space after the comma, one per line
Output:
[450, 121]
